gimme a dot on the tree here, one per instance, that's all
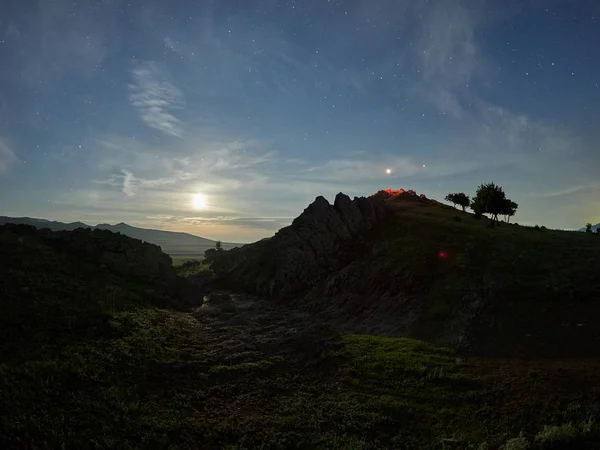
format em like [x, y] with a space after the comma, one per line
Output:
[512, 209]
[489, 199]
[459, 198]
[588, 227]
[477, 208]
[509, 208]
[218, 246]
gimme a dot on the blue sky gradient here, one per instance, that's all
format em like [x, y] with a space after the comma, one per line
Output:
[124, 110]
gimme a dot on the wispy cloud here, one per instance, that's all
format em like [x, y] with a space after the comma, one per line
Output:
[447, 54]
[171, 44]
[215, 168]
[128, 183]
[155, 97]
[54, 41]
[7, 157]
[582, 188]
[527, 135]
[264, 223]
[365, 170]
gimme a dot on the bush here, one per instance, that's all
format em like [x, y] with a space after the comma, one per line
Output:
[537, 228]
[518, 443]
[559, 436]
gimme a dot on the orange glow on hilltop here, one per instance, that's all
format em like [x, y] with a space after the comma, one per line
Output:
[397, 192]
[394, 192]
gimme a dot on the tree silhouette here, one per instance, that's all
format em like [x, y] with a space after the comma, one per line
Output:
[588, 227]
[459, 198]
[512, 210]
[218, 246]
[509, 208]
[491, 199]
[477, 208]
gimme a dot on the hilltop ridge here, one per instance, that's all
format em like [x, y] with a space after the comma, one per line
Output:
[298, 255]
[419, 268]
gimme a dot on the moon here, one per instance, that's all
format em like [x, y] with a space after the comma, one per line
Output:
[388, 171]
[199, 201]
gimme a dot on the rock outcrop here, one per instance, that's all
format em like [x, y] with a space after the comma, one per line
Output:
[317, 243]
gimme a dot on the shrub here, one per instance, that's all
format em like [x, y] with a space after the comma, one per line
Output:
[518, 443]
[537, 228]
[558, 436]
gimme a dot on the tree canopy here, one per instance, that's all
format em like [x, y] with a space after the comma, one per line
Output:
[491, 199]
[509, 208]
[459, 198]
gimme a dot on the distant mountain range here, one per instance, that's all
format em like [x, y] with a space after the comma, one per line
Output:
[177, 245]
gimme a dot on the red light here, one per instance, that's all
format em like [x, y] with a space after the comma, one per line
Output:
[443, 255]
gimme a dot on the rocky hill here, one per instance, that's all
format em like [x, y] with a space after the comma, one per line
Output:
[399, 264]
[322, 239]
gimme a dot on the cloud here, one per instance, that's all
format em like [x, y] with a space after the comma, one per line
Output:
[128, 183]
[568, 191]
[168, 177]
[361, 170]
[154, 97]
[527, 135]
[7, 157]
[171, 44]
[264, 223]
[57, 38]
[447, 54]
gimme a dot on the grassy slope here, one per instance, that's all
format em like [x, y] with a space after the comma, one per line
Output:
[516, 269]
[91, 360]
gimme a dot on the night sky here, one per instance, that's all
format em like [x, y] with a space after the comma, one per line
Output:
[226, 118]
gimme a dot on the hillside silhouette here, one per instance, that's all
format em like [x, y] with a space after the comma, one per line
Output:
[389, 321]
[180, 246]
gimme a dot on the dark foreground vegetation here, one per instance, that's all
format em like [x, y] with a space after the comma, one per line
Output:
[98, 355]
